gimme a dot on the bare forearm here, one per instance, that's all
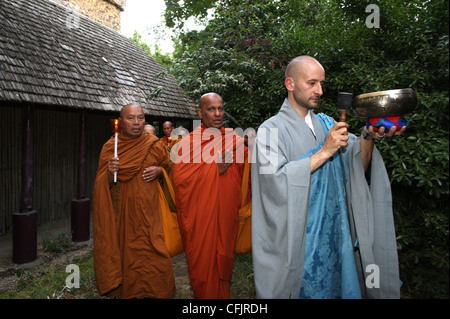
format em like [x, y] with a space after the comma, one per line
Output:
[317, 159]
[337, 137]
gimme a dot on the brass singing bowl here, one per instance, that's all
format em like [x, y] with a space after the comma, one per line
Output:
[384, 103]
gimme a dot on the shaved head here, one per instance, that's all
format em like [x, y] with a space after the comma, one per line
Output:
[204, 99]
[133, 120]
[296, 67]
[211, 110]
[304, 79]
[150, 129]
[167, 128]
[126, 107]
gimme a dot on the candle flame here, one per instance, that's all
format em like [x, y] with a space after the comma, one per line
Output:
[115, 125]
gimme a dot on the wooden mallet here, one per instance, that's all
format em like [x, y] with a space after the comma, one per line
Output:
[344, 103]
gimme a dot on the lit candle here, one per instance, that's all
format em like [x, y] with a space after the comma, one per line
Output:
[115, 124]
[116, 133]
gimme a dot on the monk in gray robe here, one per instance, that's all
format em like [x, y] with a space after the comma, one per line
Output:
[321, 226]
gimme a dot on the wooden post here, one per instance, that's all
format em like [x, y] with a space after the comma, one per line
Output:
[81, 206]
[81, 181]
[25, 222]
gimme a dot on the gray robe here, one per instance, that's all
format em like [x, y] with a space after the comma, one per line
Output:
[280, 201]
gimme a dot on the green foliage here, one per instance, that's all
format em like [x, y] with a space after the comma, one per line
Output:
[177, 11]
[242, 281]
[423, 243]
[242, 53]
[233, 57]
[58, 244]
[157, 91]
[163, 59]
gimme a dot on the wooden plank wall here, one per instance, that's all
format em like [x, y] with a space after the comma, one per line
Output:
[56, 134]
[10, 165]
[55, 159]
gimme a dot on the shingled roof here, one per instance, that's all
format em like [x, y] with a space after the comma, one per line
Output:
[52, 55]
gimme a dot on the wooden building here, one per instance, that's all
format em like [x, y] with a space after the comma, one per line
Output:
[63, 76]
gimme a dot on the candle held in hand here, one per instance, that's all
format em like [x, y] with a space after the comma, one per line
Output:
[115, 125]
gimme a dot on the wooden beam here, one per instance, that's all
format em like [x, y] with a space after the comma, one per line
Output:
[81, 206]
[25, 222]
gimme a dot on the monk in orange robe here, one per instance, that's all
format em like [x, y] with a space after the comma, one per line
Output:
[208, 197]
[167, 139]
[130, 256]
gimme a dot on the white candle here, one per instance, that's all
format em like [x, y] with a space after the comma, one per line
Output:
[116, 126]
[115, 155]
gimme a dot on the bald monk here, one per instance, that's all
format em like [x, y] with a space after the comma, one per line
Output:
[317, 223]
[208, 196]
[130, 256]
[150, 129]
[167, 140]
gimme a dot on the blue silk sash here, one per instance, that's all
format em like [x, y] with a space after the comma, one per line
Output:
[329, 265]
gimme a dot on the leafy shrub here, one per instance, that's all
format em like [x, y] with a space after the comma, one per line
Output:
[58, 244]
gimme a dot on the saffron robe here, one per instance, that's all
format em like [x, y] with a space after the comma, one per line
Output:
[281, 184]
[130, 256]
[171, 143]
[207, 207]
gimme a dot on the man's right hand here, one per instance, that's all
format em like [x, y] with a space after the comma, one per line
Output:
[337, 137]
[113, 165]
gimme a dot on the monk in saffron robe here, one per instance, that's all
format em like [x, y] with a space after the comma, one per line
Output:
[208, 197]
[130, 256]
[167, 139]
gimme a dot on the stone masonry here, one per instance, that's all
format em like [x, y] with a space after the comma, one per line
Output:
[106, 12]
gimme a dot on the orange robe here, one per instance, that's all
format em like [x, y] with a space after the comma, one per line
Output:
[170, 143]
[207, 208]
[130, 255]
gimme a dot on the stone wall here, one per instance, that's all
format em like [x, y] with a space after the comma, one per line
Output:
[106, 12]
